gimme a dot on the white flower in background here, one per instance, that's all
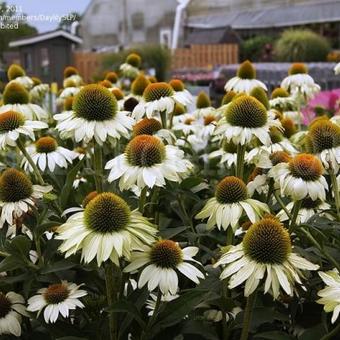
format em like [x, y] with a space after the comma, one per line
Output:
[38, 93]
[13, 125]
[120, 97]
[71, 76]
[17, 74]
[153, 127]
[12, 308]
[18, 195]
[151, 303]
[330, 296]
[69, 92]
[228, 154]
[301, 177]
[47, 154]
[16, 98]
[185, 123]
[58, 298]
[203, 106]
[94, 115]
[265, 254]
[138, 86]
[337, 69]
[230, 203]
[247, 118]
[162, 260]
[323, 140]
[130, 68]
[281, 100]
[181, 95]
[308, 209]
[112, 77]
[299, 83]
[106, 229]
[146, 161]
[258, 181]
[245, 79]
[158, 98]
[295, 116]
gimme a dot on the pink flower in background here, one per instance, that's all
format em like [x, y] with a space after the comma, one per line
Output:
[327, 100]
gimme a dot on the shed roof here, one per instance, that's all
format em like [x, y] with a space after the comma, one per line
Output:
[275, 16]
[46, 36]
[211, 36]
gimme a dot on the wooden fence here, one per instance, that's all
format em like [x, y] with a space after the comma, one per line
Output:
[195, 56]
[202, 56]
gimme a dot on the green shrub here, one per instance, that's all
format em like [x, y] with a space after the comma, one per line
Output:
[253, 48]
[301, 45]
[153, 56]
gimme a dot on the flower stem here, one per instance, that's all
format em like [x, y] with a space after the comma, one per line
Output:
[111, 295]
[282, 205]
[332, 333]
[225, 296]
[142, 199]
[241, 150]
[30, 161]
[335, 188]
[248, 314]
[154, 315]
[295, 213]
[98, 166]
[163, 119]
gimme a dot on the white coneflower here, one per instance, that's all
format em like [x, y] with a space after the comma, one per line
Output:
[230, 203]
[245, 79]
[185, 123]
[162, 260]
[12, 308]
[258, 181]
[58, 298]
[146, 161]
[17, 195]
[138, 86]
[69, 91]
[130, 68]
[94, 115]
[182, 95]
[158, 99]
[16, 98]
[71, 74]
[323, 140]
[203, 106]
[153, 127]
[17, 73]
[301, 177]
[112, 77]
[281, 100]
[228, 154]
[106, 229]
[151, 303]
[246, 118]
[38, 93]
[13, 125]
[46, 153]
[307, 210]
[337, 69]
[330, 296]
[266, 250]
[299, 82]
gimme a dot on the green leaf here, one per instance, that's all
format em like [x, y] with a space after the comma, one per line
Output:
[127, 307]
[171, 232]
[20, 245]
[11, 263]
[58, 266]
[190, 182]
[66, 190]
[199, 328]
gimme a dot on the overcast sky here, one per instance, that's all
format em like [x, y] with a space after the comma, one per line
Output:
[48, 10]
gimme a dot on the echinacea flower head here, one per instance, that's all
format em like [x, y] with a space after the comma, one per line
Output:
[260, 94]
[46, 153]
[139, 85]
[105, 229]
[12, 308]
[130, 68]
[57, 298]
[68, 103]
[307, 210]
[16, 73]
[229, 204]
[17, 195]
[301, 177]
[323, 140]
[134, 59]
[146, 126]
[105, 83]
[95, 115]
[289, 127]
[16, 98]
[245, 79]
[111, 77]
[157, 98]
[329, 296]
[13, 125]
[70, 71]
[299, 82]
[246, 118]
[72, 77]
[181, 95]
[146, 161]
[162, 260]
[266, 250]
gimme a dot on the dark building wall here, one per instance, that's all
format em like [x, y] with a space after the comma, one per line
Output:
[58, 52]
